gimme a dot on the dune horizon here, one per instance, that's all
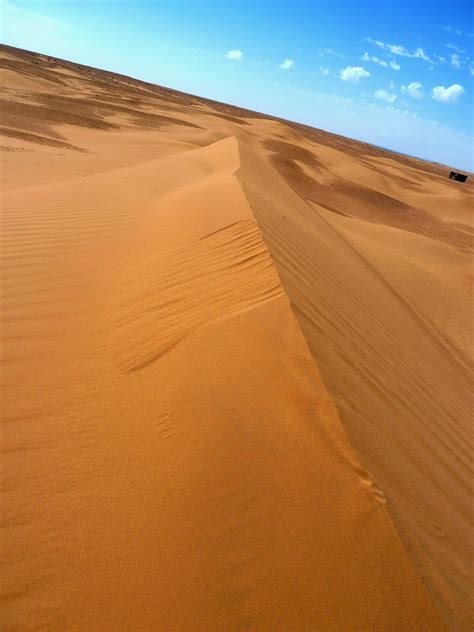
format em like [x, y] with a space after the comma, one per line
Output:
[236, 367]
[251, 112]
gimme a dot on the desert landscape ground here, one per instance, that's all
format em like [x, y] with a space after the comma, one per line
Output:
[236, 368]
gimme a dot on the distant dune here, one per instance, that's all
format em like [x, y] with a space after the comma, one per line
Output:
[236, 368]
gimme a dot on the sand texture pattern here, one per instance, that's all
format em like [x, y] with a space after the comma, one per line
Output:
[236, 368]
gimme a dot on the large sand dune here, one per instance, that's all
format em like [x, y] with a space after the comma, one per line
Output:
[236, 362]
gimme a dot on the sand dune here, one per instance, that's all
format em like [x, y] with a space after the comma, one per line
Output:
[235, 368]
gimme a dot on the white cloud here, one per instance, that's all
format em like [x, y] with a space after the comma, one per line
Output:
[34, 31]
[376, 60]
[12, 11]
[420, 54]
[396, 49]
[384, 95]
[413, 90]
[401, 51]
[449, 29]
[353, 74]
[235, 54]
[394, 65]
[287, 64]
[471, 69]
[448, 95]
[455, 47]
[376, 42]
[323, 98]
[200, 51]
[330, 51]
[324, 72]
[388, 126]
[402, 130]
[455, 60]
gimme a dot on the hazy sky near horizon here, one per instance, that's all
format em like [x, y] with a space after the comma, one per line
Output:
[395, 73]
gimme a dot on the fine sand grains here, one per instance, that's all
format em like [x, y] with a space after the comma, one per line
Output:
[173, 460]
[184, 328]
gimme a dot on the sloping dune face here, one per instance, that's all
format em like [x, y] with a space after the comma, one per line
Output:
[188, 315]
[384, 301]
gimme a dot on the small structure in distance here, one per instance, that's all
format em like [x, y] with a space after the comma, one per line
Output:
[454, 175]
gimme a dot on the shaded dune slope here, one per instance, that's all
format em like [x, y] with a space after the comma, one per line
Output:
[401, 384]
[194, 297]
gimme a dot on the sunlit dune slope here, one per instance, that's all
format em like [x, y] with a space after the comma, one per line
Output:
[194, 297]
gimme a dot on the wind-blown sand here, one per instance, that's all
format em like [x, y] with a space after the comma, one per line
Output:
[236, 362]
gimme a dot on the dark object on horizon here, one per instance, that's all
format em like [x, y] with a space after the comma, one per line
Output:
[457, 176]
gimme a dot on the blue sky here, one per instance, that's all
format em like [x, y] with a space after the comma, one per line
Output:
[398, 74]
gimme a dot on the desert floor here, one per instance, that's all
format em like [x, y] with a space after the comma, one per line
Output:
[236, 368]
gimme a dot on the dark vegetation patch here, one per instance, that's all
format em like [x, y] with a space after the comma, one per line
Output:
[5, 148]
[290, 151]
[232, 110]
[25, 68]
[39, 140]
[97, 110]
[358, 201]
[157, 121]
[51, 115]
[361, 150]
[9, 117]
[406, 183]
[104, 97]
[228, 117]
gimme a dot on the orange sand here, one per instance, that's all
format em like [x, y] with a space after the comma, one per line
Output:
[194, 298]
